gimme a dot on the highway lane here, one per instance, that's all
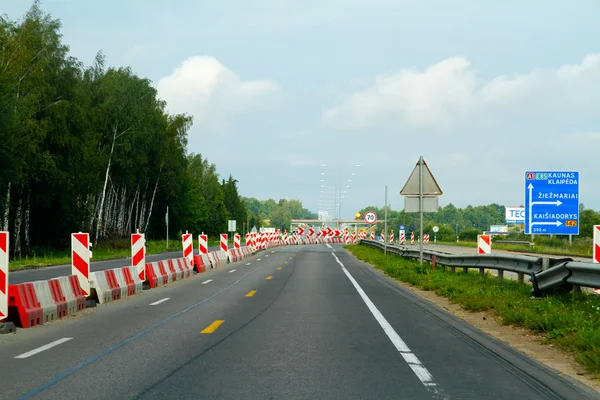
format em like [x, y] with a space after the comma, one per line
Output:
[44, 273]
[301, 322]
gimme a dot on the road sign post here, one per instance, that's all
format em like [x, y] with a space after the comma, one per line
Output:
[385, 222]
[422, 187]
[551, 203]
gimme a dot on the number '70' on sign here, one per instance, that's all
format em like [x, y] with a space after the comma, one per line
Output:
[370, 217]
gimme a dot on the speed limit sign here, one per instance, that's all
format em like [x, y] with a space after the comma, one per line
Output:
[370, 217]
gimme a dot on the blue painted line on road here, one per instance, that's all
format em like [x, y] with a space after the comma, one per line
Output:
[132, 339]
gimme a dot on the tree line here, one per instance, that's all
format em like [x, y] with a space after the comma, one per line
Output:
[279, 214]
[93, 149]
[467, 222]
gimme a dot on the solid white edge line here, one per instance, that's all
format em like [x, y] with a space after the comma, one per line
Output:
[233, 270]
[160, 301]
[248, 263]
[44, 348]
[411, 359]
[207, 281]
[259, 259]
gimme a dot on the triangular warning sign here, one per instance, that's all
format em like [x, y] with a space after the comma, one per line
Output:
[430, 185]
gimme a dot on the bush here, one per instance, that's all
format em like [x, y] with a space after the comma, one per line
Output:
[469, 235]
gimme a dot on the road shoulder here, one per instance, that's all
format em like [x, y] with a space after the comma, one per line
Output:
[517, 338]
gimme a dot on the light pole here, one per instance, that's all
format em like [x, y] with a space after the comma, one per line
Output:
[341, 184]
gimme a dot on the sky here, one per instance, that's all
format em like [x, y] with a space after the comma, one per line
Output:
[483, 90]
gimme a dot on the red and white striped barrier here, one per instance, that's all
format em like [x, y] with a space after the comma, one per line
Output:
[72, 292]
[156, 274]
[382, 236]
[187, 241]
[484, 244]
[206, 261]
[138, 255]
[105, 285]
[224, 242]
[596, 252]
[392, 237]
[128, 278]
[346, 237]
[218, 258]
[233, 256]
[160, 273]
[44, 301]
[203, 244]
[201, 264]
[236, 241]
[354, 237]
[4, 243]
[402, 238]
[372, 235]
[185, 267]
[80, 259]
[426, 238]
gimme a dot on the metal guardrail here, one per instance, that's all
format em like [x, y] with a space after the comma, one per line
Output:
[546, 274]
[517, 242]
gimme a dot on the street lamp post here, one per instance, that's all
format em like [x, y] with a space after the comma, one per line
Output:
[340, 186]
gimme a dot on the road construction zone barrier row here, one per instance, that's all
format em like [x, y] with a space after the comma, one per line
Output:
[35, 303]
[161, 273]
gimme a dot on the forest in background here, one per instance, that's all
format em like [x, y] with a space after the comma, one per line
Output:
[93, 149]
[279, 214]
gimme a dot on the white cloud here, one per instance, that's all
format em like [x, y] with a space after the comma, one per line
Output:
[213, 94]
[451, 92]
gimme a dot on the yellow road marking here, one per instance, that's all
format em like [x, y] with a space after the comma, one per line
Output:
[250, 293]
[286, 262]
[279, 269]
[269, 278]
[213, 327]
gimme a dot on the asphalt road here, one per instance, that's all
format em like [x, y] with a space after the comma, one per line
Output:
[44, 273]
[300, 322]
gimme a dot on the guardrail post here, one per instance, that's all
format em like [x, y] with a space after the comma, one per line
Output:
[482, 272]
[545, 263]
[433, 262]
[453, 269]
[465, 270]
[500, 275]
[576, 289]
[520, 277]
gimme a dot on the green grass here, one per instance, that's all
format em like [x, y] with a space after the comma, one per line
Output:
[571, 321]
[104, 251]
[576, 250]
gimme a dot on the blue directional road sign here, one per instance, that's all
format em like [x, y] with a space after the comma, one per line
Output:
[551, 203]
[401, 228]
